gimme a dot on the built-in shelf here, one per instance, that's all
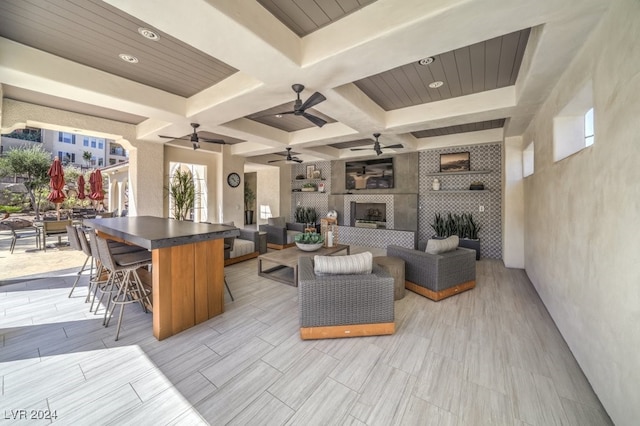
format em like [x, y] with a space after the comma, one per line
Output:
[308, 192]
[460, 190]
[302, 180]
[469, 172]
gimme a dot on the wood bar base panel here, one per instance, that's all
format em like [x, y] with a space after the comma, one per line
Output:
[188, 286]
[442, 294]
[338, 331]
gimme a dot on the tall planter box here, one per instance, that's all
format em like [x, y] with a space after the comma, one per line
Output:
[466, 243]
[471, 244]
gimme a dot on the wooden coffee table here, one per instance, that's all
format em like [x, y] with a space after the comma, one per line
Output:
[288, 258]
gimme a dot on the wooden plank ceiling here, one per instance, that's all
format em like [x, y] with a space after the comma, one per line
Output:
[483, 66]
[307, 16]
[94, 33]
[461, 128]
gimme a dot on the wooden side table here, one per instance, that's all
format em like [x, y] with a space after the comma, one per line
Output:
[395, 267]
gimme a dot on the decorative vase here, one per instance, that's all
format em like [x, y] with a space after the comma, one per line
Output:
[436, 185]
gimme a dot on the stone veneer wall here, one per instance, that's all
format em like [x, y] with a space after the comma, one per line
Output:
[482, 157]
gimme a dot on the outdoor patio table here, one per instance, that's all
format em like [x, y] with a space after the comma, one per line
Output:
[187, 266]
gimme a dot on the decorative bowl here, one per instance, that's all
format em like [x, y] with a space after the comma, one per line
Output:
[309, 247]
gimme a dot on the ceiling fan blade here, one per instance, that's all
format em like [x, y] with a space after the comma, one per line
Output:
[172, 137]
[360, 149]
[218, 141]
[284, 113]
[315, 120]
[399, 145]
[314, 99]
[274, 161]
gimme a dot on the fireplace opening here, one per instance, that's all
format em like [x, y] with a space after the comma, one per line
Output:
[368, 215]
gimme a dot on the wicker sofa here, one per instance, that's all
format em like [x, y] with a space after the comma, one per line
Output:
[334, 306]
[437, 276]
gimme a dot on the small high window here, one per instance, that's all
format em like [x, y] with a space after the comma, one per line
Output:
[527, 160]
[588, 128]
[573, 127]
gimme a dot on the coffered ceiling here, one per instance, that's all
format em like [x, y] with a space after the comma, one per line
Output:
[229, 66]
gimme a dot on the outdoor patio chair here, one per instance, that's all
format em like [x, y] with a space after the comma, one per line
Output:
[22, 232]
[55, 228]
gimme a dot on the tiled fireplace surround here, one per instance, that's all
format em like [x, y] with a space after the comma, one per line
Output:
[483, 157]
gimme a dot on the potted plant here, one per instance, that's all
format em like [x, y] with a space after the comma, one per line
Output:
[309, 241]
[308, 187]
[310, 217]
[464, 226]
[249, 198]
[182, 191]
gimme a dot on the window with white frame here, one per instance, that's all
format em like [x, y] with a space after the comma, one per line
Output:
[67, 138]
[527, 160]
[573, 127]
[265, 211]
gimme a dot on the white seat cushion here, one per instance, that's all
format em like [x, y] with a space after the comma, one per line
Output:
[242, 247]
[361, 263]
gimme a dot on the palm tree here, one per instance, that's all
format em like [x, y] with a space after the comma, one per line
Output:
[86, 156]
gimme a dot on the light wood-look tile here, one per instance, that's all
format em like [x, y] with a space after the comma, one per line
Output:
[315, 410]
[491, 355]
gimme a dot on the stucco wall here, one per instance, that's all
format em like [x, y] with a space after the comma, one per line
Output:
[581, 251]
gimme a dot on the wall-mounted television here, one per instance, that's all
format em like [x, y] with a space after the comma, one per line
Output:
[369, 174]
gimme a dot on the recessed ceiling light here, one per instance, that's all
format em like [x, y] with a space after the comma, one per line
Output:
[128, 58]
[278, 115]
[147, 33]
[435, 84]
[426, 61]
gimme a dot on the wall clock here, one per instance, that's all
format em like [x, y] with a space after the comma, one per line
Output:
[233, 180]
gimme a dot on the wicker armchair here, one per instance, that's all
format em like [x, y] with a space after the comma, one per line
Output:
[437, 276]
[344, 305]
[281, 234]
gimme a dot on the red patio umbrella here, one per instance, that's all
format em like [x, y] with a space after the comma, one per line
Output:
[95, 182]
[56, 182]
[81, 184]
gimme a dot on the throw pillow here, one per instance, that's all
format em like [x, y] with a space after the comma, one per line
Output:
[278, 222]
[442, 246]
[360, 263]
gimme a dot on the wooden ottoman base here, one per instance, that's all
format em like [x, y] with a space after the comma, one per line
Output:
[442, 294]
[356, 330]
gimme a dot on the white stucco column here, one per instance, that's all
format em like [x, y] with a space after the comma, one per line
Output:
[146, 174]
[512, 203]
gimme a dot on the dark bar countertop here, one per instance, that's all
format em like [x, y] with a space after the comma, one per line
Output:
[153, 232]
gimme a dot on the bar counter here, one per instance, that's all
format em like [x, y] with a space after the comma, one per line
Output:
[187, 266]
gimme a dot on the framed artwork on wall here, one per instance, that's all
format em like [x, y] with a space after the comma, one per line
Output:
[455, 162]
[310, 169]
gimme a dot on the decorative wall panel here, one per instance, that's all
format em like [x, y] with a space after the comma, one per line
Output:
[379, 238]
[483, 157]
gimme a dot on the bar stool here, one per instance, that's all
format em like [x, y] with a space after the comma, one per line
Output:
[75, 242]
[124, 276]
[91, 247]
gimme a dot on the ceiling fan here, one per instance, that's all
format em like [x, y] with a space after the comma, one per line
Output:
[376, 146]
[194, 138]
[299, 108]
[289, 158]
